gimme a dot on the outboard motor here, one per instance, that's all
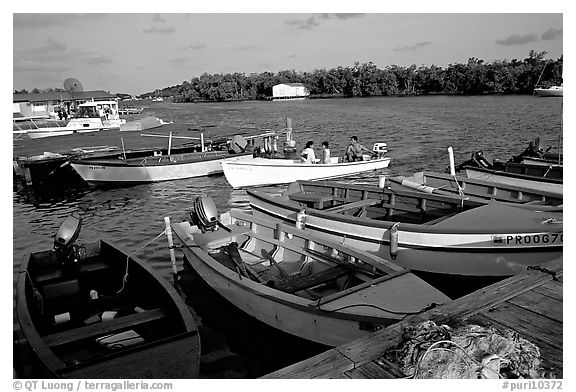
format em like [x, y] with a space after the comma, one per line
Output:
[66, 236]
[204, 214]
[479, 158]
[380, 149]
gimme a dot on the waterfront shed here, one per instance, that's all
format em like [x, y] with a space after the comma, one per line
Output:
[290, 91]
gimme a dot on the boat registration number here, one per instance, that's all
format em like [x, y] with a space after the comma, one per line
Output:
[97, 167]
[528, 239]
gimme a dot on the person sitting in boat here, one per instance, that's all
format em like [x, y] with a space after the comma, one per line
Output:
[325, 153]
[355, 150]
[308, 155]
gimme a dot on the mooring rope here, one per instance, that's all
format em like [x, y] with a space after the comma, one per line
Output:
[125, 278]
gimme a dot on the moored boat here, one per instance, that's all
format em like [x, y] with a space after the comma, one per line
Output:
[476, 189]
[424, 232]
[195, 160]
[552, 91]
[296, 282]
[94, 311]
[546, 177]
[90, 117]
[263, 171]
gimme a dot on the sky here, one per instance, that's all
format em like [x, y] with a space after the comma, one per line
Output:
[136, 53]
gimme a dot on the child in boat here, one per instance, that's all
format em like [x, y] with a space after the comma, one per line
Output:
[325, 153]
[308, 155]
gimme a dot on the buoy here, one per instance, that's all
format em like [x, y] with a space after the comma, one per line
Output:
[301, 219]
[394, 240]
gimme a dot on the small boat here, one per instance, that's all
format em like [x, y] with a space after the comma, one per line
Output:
[541, 177]
[475, 189]
[264, 171]
[94, 311]
[90, 117]
[146, 166]
[552, 91]
[142, 124]
[431, 233]
[21, 125]
[296, 282]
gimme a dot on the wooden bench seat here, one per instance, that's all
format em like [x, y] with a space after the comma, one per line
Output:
[316, 200]
[103, 328]
[308, 281]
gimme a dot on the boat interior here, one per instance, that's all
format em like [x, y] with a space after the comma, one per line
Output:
[94, 303]
[385, 204]
[288, 259]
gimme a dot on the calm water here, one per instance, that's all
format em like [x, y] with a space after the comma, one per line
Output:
[417, 129]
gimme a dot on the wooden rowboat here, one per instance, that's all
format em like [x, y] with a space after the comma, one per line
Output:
[299, 283]
[475, 189]
[424, 232]
[93, 311]
[263, 171]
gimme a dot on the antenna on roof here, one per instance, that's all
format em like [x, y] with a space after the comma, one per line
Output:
[72, 85]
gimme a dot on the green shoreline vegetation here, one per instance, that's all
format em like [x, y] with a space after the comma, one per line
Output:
[476, 77]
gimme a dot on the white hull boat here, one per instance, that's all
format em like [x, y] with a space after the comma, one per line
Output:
[429, 233]
[263, 171]
[301, 284]
[115, 170]
[90, 117]
[553, 91]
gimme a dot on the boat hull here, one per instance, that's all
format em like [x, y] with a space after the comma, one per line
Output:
[554, 91]
[153, 169]
[262, 171]
[79, 295]
[331, 322]
[438, 248]
[514, 179]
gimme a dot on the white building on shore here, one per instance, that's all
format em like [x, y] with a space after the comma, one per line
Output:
[289, 91]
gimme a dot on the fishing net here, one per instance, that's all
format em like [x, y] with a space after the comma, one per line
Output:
[438, 351]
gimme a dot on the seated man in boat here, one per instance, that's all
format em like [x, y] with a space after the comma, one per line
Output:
[325, 153]
[308, 155]
[355, 150]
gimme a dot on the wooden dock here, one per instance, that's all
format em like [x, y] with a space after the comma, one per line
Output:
[529, 303]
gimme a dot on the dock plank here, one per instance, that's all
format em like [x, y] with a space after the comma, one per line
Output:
[551, 289]
[529, 324]
[328, 364]
[540, 304]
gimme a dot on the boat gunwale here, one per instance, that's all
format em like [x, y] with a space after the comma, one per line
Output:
[292, 163]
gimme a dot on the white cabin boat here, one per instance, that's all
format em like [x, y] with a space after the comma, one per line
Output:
[552, 91]
[90, 117]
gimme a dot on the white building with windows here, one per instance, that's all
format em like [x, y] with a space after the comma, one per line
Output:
[289, 91]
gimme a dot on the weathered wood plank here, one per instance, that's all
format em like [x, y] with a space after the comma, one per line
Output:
[329, 364]
[540, 304]
[352, 205]
[370, 370]
[103, 328]
[552, 289]
[527, 323]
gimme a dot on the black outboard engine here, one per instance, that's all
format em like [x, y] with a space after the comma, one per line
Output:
[204, 214]
[65, 237]
[480, 160]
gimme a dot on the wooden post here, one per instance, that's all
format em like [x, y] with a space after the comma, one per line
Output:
[202, 141]
[451, 155]
[123, 150]
[171, 247]
[169, 143]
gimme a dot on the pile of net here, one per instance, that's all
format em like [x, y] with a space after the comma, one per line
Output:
[471, 351]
